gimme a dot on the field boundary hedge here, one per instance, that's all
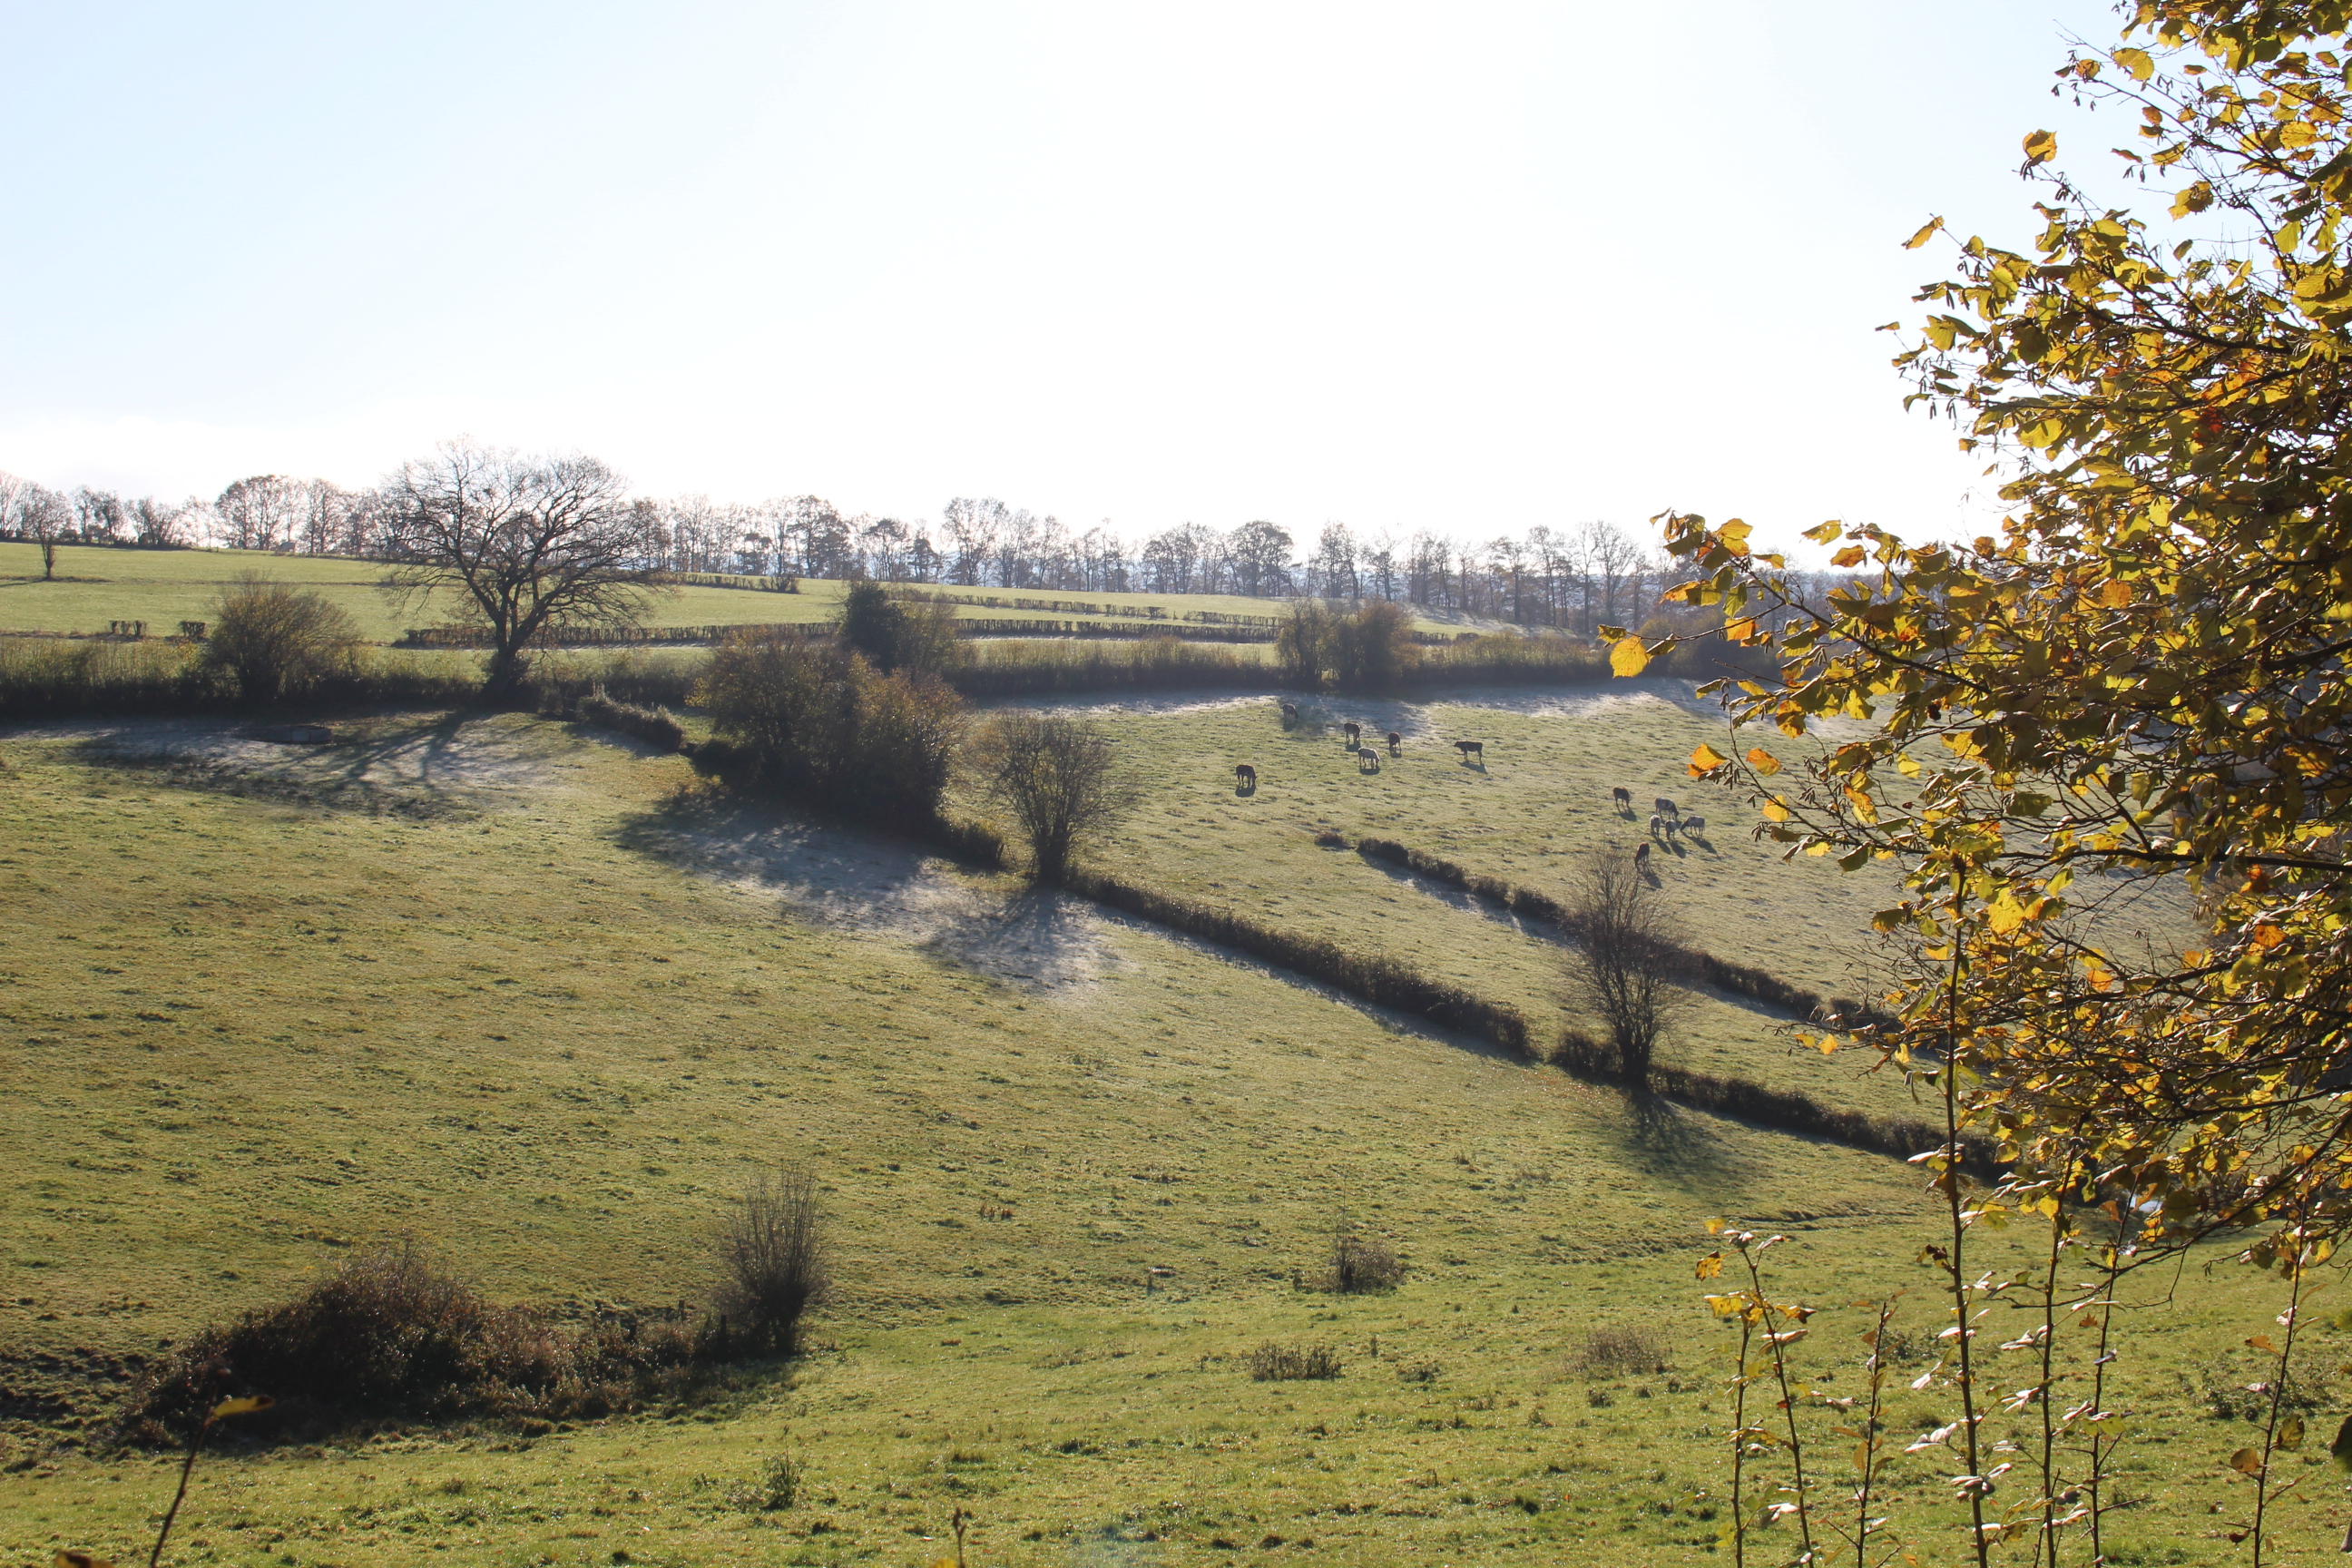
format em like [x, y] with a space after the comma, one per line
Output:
[1388, 982]
[1738, 979]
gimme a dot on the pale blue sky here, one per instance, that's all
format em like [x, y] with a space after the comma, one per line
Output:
[1473, 266]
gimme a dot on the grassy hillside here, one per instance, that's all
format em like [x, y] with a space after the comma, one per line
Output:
[164, 587]
[522, 992]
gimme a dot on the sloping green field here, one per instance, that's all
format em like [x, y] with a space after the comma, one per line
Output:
[527, 995]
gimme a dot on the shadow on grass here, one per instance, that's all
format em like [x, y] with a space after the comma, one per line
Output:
[875, 884]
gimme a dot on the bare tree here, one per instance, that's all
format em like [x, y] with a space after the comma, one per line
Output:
[1057, 777]
[527, 542]
[1623, 958]
[277, 641]
[774, 1258]
[47, 516]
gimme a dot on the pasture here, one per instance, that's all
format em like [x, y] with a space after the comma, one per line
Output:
[521, 990]
[96, 586]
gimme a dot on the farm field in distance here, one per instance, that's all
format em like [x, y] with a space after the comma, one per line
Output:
[164, 587]
[527, 993]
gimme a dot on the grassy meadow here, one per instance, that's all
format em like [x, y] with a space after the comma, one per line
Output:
[95, 585]
[533, 996]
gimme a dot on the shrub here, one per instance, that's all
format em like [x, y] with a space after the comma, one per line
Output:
[1059, 780]
[772, 1258]
[277, 642]
[1619, 1350]
[656, 726]
[898, 631]
[1371, 649]
[1624, 961]
[1022, 667]
[1271, 1363]
[778, 1486]
[827, 727]
[1359, 1265]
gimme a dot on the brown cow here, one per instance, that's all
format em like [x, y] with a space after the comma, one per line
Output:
[1471, 749]
[1244, 776]
[1395, 739]
[1353, 733]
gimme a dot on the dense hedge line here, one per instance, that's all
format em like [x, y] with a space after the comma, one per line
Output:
[1703, 967]
[1790, 1110]
[656, 726]
[1383, 980]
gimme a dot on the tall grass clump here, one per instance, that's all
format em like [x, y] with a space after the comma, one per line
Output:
[823, 725]
[55, 678]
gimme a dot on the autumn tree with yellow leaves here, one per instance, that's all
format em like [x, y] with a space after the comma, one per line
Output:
[2141, 680]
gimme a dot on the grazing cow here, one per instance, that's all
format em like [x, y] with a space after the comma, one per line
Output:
[1290, 712]
[1656, 823]
[1664, 807]
[1694, 826]
[1672, 827]
[1642, 856]
[1622, 798]
[1353, 733]
[1471, 749]
[1369, 758]
[1244, 776]
[1395, 739]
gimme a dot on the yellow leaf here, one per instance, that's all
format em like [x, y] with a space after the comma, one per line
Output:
[1773, 810]
[82, 1560]
[1735, 532]
[2115, 593]
[2290, 1434]
[2262, 1342]
[2195, 199]
[1861, 1458]
[2267, 936]
[2246, 1462]
[1710, 1266]
[1926, 231]
[1763, 762]
[2006, 915]
[1742, 631]
[2040, 147]
[245, 1406]
[1714, 1228]
[1705, 761]
[1826, 532]
[1628, 656]
[1852, 555]
[1724, 1306]
[2135, 61]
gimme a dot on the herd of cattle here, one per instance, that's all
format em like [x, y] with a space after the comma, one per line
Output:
[1666, 820]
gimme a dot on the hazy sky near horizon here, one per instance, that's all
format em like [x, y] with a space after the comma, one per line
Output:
[1471, 266]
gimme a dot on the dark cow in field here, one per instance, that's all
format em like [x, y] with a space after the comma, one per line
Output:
[1290, 712]
[1353, 733]
[1395, 739]
[1470, 749]
[1244, 776]
[1664, 807]
[1642, 854]
[1694, 826]
[1622, 798]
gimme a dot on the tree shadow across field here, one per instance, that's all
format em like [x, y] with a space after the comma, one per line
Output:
[874, 885]
[416, 766]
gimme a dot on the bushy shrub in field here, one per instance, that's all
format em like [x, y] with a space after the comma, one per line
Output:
[1619, 1350]
[276, 641]
[1359, 1266]
[772, 1257]
[826, 726]
[898, 631]
[392, 1330]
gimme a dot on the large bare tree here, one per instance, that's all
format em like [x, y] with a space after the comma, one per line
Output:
[525, 543]
[1058, 778]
